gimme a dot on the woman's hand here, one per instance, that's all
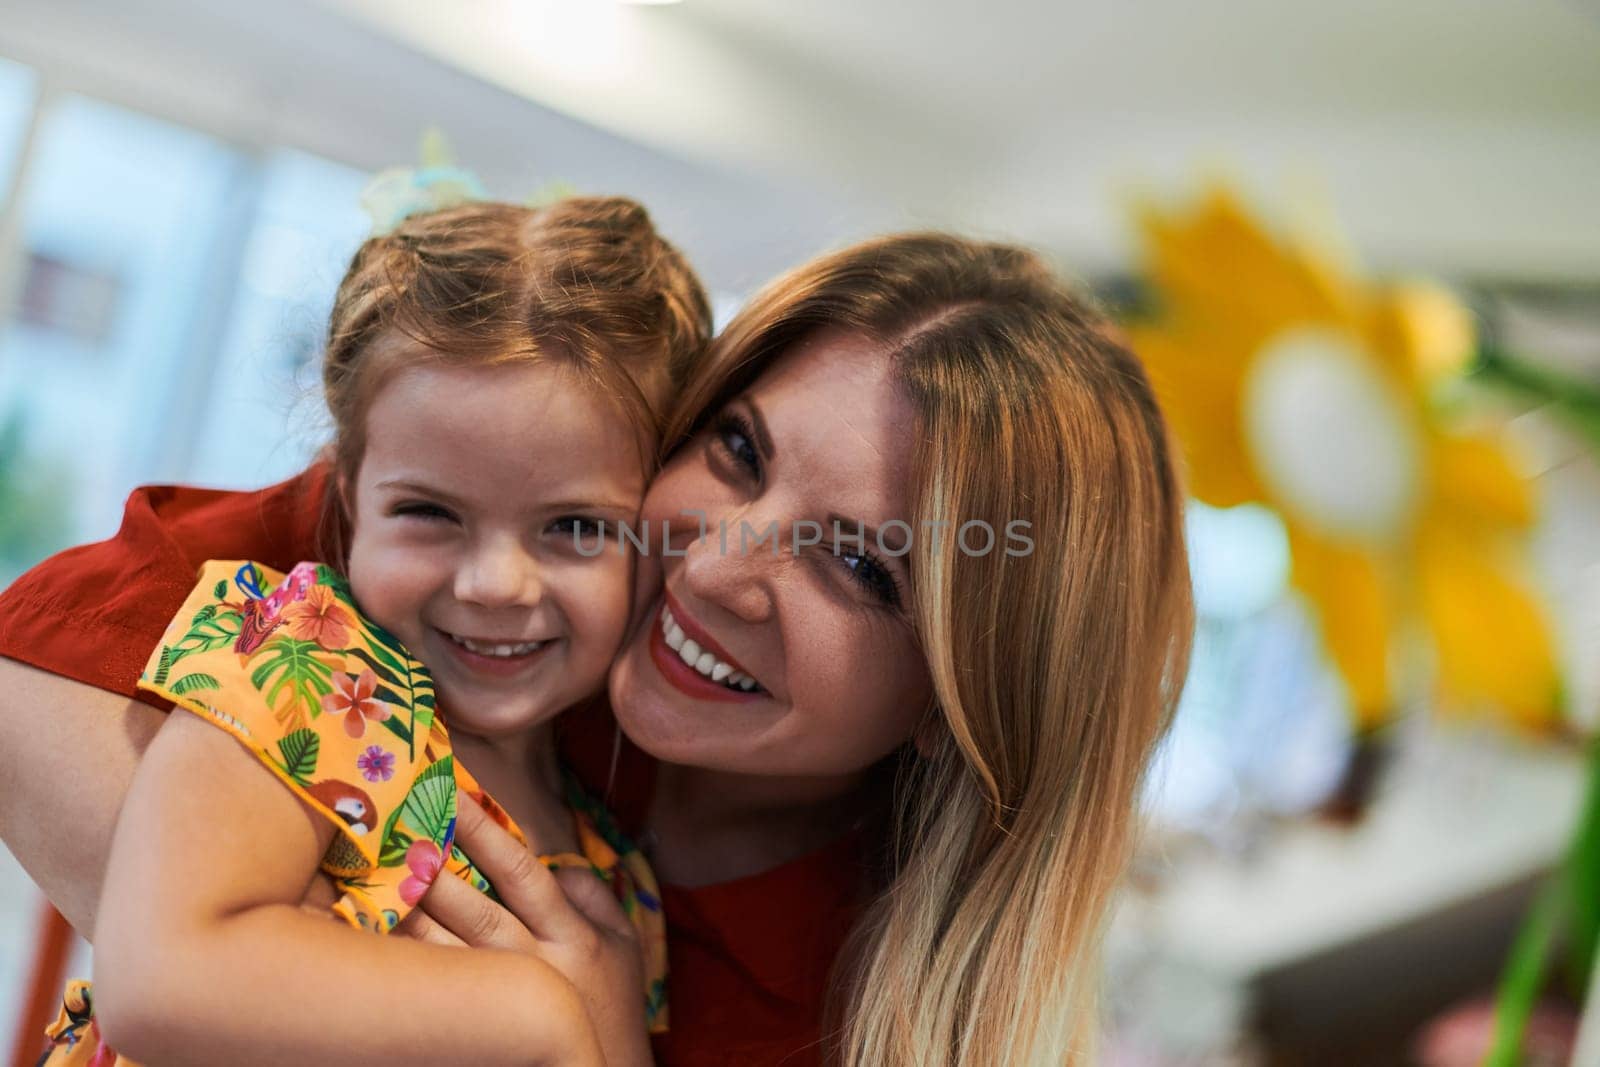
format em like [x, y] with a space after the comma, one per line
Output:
[569, 919]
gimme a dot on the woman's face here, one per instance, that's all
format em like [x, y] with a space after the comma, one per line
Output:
[805, 660]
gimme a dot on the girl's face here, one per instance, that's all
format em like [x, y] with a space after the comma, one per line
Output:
[477, 488]
[823, 436]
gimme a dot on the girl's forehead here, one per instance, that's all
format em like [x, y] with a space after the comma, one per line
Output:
[516, 430]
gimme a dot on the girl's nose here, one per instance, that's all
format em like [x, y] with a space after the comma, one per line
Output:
[499, 574]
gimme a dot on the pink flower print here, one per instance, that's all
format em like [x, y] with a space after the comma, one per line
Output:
[291, 590]
[352, 697]
[375, 764]
[425, 861]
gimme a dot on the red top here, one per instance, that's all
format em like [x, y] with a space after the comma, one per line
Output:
[748, 959]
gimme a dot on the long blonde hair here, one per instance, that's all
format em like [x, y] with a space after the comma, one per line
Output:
[1055, 671]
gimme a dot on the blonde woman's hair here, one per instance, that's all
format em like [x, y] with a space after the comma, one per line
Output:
[1055, 672]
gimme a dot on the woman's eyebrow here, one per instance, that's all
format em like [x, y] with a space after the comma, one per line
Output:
[758, 423]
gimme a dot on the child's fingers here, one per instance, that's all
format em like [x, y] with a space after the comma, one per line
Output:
[467, 917]
[418, 925]
[596, 902]
[526, 886]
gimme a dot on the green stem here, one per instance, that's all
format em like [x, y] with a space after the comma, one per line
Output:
[1524, 974]
[1574, 890]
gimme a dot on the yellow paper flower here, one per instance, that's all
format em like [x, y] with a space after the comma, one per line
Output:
[1292, 385]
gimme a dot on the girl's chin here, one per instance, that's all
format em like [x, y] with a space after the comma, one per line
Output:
[490, 712]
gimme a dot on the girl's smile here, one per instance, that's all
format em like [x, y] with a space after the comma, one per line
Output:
[477, 487]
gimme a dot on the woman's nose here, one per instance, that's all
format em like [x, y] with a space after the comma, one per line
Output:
[499, 574]
[731, 571]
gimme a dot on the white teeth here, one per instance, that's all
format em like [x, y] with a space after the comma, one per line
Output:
[706, 663]
[497, 650]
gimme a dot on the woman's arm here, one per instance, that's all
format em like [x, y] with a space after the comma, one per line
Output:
[203, 955]
[68, 752]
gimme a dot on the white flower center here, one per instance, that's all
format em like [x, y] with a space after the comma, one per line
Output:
[1331, 436]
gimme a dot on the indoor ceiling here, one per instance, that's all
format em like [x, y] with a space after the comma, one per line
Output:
[1454, 135]
[1460, 137]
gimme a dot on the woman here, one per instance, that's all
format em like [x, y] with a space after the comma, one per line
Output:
[957, 699]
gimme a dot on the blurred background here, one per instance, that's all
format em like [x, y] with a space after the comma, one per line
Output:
[1358, 243]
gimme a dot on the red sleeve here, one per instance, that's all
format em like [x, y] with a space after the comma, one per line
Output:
[93, 613]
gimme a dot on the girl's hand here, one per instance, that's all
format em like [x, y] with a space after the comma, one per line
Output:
[569, 919]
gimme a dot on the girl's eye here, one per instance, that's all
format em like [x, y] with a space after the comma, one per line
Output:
[419, 509]
[734, 437]
[579, 526]
[869, 572]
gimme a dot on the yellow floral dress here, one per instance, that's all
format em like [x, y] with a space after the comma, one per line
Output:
[337, 708]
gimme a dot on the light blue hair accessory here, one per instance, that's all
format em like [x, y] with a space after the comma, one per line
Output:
[395, 194]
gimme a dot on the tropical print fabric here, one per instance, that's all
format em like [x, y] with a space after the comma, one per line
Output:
[337, 709]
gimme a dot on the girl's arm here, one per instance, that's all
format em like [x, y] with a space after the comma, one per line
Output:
[203, 955]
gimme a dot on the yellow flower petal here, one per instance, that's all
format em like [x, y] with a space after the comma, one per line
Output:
[1218, 257]
[1475, 480]
[1201, 401]
[1492, 643]
[1425, 330]
[1354, 604]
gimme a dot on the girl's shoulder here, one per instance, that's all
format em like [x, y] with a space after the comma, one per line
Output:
[330, 702]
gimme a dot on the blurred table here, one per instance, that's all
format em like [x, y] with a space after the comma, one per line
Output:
[1327, 944]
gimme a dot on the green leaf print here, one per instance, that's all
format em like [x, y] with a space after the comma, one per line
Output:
[383, 673]
[164, 664]
[292, 664]
[190, 683]
[393, 853]
[211, 628]
[340, 585]
[398, 728]
[299, 750]
[220, 592]
[431, 804]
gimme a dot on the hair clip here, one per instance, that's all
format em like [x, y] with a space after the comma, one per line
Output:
[396, 194]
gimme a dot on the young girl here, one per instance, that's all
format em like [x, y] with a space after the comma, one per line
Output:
[496, 376]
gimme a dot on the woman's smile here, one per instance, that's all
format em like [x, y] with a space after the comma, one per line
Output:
[693, 662]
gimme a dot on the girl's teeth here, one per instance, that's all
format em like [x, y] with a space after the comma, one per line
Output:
[500, 651]
[704, 662]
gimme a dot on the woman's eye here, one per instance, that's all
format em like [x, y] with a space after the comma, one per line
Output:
[424, 511]
[868, 572]
[733, 436]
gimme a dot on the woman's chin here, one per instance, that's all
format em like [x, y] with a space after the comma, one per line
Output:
[665, 722]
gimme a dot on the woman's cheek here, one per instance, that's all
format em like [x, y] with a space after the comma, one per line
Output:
[878, 694]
